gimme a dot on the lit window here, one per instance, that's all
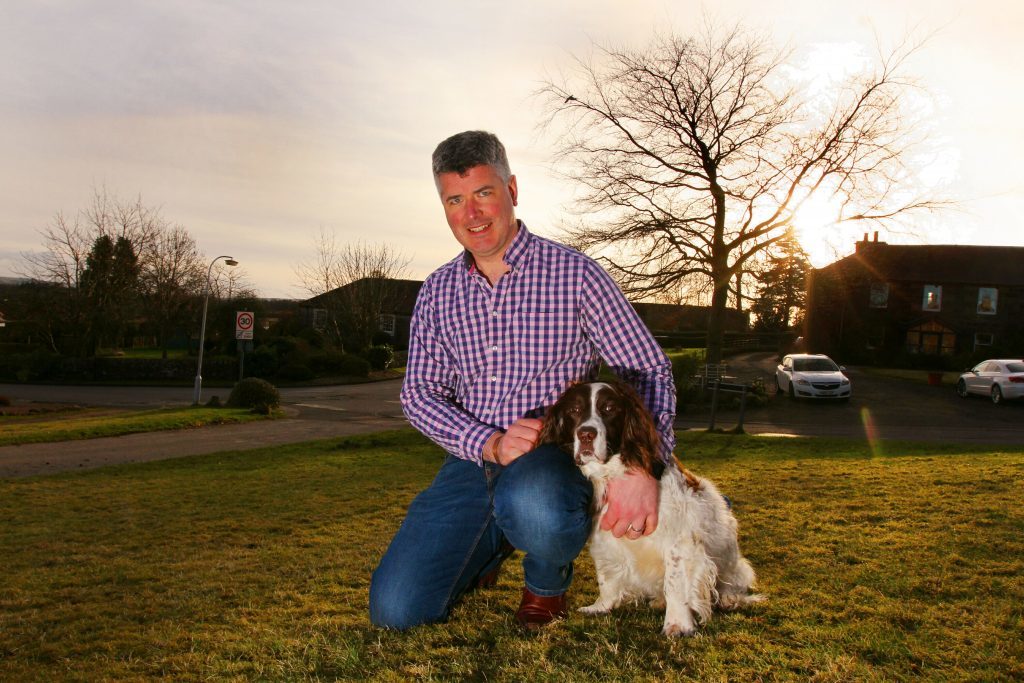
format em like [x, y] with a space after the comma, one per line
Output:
[932, 300]
[988, 300]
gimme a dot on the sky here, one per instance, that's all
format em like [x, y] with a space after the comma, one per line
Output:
[255, 124]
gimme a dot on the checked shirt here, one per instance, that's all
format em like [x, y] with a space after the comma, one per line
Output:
[481, 357]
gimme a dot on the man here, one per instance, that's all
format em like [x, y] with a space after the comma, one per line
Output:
[497, 334]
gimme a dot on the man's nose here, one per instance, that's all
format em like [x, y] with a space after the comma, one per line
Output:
[586, 434]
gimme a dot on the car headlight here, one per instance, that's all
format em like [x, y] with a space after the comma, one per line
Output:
[802, 381]
[845, 382]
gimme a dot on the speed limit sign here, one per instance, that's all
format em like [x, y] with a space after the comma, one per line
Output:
[244, 321]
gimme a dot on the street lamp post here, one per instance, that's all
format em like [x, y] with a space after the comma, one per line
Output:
[202, 329]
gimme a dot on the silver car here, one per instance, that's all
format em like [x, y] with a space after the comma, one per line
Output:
[1000, 379]
[812, 375]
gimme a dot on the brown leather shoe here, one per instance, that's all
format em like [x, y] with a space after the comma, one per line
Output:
[536, 611]
[491, 578]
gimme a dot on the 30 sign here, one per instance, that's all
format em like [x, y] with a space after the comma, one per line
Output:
[244, 322]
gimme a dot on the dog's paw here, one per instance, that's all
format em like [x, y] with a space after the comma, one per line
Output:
[656, 603]
[596, 608]
[673, 630]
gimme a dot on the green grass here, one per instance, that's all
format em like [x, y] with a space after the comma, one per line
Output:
[88, 425]
[900, 563]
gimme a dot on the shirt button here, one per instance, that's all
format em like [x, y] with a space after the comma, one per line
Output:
[494, 378]
[494, 348]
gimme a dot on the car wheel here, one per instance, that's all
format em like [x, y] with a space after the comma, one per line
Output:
[778, 387]
[961, 389]
[792, 392]
[997, 394]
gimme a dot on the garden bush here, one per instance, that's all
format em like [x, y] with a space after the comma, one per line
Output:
[259, 395]
[295, 372]
[380, 357]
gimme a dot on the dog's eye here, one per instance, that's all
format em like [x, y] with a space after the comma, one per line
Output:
[607, 408]
[575, 410]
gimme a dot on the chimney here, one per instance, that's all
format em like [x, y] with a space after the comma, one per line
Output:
[876, 236]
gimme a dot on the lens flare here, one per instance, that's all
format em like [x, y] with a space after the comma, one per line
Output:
[870, 431]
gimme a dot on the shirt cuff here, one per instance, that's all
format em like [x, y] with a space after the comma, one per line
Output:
[473, 440]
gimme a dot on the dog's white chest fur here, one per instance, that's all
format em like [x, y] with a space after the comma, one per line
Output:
[690, 563]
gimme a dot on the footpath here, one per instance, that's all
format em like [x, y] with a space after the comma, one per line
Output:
[29, 460]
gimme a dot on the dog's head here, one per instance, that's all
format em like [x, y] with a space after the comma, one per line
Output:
[597, 420]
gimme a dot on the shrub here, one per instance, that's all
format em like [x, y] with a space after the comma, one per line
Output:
[214, 402]
[259, 395]
[262, 362]
[295, 372]
[336, 363]
[380, 357]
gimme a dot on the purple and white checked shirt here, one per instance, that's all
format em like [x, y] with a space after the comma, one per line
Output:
[480, 358]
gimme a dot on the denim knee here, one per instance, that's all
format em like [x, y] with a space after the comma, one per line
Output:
[542, 505]
[395, 607]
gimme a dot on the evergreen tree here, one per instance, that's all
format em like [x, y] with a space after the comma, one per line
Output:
[783, 286]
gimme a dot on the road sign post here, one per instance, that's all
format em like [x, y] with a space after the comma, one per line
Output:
[245, 321]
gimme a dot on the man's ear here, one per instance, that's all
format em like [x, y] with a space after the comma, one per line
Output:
[513, 190]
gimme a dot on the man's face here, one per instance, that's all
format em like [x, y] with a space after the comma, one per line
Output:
[480, 208]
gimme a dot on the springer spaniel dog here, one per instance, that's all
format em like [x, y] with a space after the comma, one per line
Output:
[692, 561]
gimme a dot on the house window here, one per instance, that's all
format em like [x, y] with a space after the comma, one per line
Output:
[932, 300]
[386, 323]
[988, 300]
[879, 295]
[319, 318]
[983, 339]
[931, 338]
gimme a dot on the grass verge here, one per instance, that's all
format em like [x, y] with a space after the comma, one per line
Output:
[18, 430]
[901, 563]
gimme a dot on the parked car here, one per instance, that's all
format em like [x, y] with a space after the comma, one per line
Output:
[1000, 379]
[812, 375]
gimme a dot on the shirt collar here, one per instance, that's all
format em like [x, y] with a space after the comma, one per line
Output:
[514, 256]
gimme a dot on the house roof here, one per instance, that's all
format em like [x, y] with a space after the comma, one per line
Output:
[404, 292]
[938, 263]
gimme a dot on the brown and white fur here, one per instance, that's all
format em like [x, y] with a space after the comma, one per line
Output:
[692, 561]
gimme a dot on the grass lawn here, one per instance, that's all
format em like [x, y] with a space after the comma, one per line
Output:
[902, 563]
[90, 424]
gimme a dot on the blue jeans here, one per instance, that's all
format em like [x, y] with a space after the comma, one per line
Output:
[453, 534]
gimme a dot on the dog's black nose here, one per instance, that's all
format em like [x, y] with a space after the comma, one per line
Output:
[586, 434]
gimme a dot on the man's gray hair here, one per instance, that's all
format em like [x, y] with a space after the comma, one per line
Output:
[463, 151]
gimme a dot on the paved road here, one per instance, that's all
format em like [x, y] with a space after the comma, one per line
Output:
[883, 408]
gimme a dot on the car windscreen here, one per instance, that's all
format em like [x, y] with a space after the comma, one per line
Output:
[1015, 367]
[814, 365]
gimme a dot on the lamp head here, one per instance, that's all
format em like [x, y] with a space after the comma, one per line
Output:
[231, 262]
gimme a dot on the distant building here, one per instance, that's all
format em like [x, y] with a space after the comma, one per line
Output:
[676, 324]
[887, 299]
[670, 323]
[397, 297]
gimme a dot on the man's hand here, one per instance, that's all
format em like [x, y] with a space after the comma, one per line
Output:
[632, 505]
[521, 437]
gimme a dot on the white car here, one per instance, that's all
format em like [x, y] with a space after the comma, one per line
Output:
[812, 375]
[999, 379]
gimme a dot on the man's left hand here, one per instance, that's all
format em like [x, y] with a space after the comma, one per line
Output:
[632, 505]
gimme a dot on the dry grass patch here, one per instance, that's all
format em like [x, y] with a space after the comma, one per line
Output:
[255, 565]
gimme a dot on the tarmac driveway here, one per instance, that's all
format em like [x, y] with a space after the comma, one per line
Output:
[884, 407]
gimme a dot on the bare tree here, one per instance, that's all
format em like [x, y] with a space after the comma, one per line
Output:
[172, 282]
[695, 156]
[354, 283]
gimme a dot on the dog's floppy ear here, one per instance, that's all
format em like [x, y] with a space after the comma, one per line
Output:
[639, 435]
[556, 422]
